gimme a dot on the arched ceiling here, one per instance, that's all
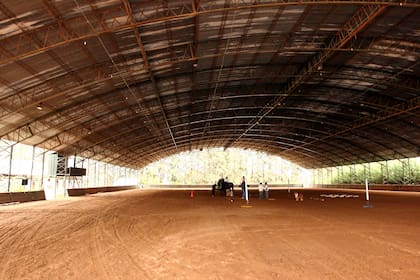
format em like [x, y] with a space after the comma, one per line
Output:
[321, 83]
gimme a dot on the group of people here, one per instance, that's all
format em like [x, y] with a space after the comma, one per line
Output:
[263, 188]
[224, 185]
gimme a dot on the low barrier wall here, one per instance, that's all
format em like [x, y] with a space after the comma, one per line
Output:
[21, 196]
[385, 187]
[84, 191]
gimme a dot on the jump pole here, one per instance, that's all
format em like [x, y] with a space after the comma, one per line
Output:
[367, 205]
[246, 193]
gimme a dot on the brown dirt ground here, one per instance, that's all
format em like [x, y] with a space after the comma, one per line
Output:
[156, 234]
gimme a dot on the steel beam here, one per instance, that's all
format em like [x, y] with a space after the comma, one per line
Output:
[19, 101]
[139, 41]
[58, 39]
[355, 24]
[394, 111]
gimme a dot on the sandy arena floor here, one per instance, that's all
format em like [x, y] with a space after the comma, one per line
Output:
[152, 234]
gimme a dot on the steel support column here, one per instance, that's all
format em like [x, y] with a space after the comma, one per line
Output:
[10, 167]
[42, 170]
[32, 167]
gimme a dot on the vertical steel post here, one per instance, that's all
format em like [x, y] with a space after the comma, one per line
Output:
[32, 166]
[338, 175]
[42, 170]
[96, 174]
[403, 172]
[87, 173]
[382, 173]
[313, 177]
[125, 175]
[365, 170]
[409, 178]
[322, 176]
[106, 180]
[10, 168]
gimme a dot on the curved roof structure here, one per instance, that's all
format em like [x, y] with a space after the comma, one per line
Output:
[321, 83]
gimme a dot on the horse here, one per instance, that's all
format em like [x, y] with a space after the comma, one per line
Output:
[222, 186]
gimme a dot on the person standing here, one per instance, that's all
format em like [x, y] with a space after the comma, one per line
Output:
[232, 195]
[243, 187]
[213, 190]
[266, 189]
[261, 190]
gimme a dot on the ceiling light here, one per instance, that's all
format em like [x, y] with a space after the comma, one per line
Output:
[195, 65]
[39, 107]
[84, 43]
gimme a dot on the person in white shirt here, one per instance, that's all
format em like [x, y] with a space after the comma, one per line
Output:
[266, 189]
[261, 190]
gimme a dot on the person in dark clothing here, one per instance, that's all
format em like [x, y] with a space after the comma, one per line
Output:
[243, 187]
[213, 189]
[221, 185]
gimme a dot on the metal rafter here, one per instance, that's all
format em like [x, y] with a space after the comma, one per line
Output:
[52, 10]
[195, 7]
[139, 41]
[357, 23]
[26, 131]
[394, 111]
[146, 137]
[55, 31]
[154, 147]
[22, 100]
[220, 131]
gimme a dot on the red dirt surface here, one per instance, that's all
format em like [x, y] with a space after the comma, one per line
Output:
[155, 234]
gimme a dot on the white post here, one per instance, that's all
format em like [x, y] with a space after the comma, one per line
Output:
[246, 193]
[367, 189]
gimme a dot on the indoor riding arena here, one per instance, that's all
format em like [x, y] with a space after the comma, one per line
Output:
[94, 92]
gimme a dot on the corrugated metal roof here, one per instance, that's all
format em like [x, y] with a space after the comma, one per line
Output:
[321, 83]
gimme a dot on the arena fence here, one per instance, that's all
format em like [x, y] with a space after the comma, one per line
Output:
[84, 191]
[21, 197]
